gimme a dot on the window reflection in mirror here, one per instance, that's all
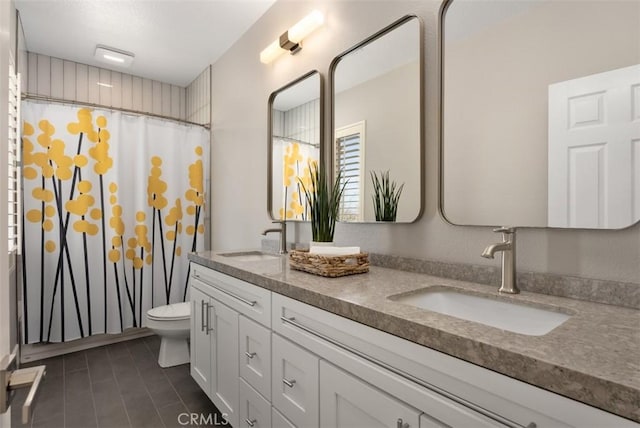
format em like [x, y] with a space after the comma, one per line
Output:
[541, 113]
[295, 129]
[377, 120]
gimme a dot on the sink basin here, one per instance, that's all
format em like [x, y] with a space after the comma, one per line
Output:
[511, 316]
[250, 256]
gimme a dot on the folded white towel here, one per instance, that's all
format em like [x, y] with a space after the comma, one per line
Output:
[334, 251]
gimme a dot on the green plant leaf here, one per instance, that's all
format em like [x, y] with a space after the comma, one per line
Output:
[323, 202]
[386, 196]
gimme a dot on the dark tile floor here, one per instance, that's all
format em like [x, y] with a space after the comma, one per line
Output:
[115, 386]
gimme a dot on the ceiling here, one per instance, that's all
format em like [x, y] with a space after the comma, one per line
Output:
[172, 40]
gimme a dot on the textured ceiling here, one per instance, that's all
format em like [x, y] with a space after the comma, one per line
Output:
[173, 40]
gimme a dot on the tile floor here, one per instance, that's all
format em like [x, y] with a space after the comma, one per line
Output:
[116, 386]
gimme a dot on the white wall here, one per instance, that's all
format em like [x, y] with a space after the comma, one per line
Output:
[7, 313]
[240, 88]
[54, 77]
[199, 98]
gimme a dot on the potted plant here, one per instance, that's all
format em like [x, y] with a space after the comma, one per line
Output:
[323, 201]
[386, 196]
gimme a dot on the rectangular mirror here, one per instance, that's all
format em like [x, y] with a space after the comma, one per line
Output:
[541, 113]
[378, 125]
[295, 135]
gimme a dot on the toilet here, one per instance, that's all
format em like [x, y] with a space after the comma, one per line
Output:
[172, 323]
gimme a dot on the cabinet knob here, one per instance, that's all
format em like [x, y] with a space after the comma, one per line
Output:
[289, 383]
[250, 422]
[250, 355]
[401, 424]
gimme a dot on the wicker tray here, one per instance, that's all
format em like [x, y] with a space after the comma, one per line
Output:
[329, 266]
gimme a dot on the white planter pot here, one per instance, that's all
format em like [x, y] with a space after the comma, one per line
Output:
[321, 244]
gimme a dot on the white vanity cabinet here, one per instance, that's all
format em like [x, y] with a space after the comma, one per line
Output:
[446, 391]
[219, 304]
[267, 360]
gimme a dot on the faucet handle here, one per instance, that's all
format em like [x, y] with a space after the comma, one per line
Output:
[505, 229]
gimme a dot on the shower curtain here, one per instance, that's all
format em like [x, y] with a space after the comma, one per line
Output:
[291, 167]
[113, 203]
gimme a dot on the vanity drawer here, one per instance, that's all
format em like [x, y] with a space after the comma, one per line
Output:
[250, 300]
[279, 421]
[255, 355]
[295, 383]
[255, 411]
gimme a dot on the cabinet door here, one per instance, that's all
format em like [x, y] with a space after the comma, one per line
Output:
[279, 421]
[255, 355]
[224, 347]
[255, 411]
[295, 383]
[348, 402]
[200, 342]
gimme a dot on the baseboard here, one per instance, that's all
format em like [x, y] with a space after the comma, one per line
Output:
[47, 350]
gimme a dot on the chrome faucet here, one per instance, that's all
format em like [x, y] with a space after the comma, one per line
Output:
[508, 249]
[283, 234]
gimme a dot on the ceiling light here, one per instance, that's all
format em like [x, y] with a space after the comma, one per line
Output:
[290, 40]
[113, 56]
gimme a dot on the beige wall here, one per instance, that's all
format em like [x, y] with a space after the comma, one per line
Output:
[388, 105]
[496, 117]
[240, 88]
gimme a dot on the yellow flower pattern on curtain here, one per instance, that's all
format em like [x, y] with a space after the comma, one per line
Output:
[98, 253]
[295, 169]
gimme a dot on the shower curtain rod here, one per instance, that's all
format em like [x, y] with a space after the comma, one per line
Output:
[27, 96]
[295, 140]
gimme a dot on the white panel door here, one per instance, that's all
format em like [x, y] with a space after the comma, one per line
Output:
[224, 376]
[594, 139]
[348, 402]
[200, 342]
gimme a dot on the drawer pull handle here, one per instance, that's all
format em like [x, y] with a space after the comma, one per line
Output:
[289, 383]
[251, 422]
[228, 293]
[431, 387]
[249, 355]
[401, 424]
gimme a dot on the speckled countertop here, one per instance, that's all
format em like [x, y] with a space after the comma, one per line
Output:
[594, 357]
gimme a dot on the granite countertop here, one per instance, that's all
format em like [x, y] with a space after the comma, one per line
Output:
[593, 357]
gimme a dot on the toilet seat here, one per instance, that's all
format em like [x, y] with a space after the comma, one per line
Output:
[174, 312]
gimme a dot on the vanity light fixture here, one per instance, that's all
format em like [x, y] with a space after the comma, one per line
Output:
[290, 40]
[113, 56]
